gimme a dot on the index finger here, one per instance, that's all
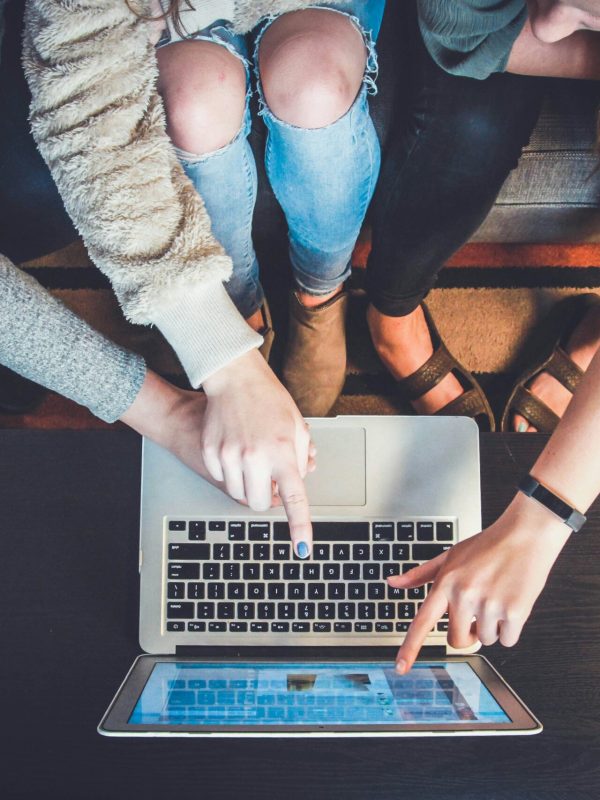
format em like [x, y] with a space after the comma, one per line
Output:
[295, 501]
[431, 611]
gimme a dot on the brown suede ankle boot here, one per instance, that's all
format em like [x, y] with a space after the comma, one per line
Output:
[314, 367]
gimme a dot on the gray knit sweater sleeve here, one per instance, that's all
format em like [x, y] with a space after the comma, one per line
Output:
[44, 341]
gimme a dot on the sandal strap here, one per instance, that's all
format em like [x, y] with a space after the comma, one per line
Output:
[562, 367]
[470, 404]
[429, 374]
[535, 411]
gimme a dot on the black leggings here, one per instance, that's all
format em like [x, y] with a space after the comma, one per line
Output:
[452, 145]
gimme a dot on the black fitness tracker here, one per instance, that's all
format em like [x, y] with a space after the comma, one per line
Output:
[569, 515]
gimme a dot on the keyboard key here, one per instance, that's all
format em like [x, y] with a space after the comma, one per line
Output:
[221, 552]
[281, 552]
[236, 531]
[195, 591]
[351, 572]
[442, 626]
[175, 627]
[246, 610]
[311, 572]
[281, 532]
[238, 627]
[300, 627]
[390, 569]
[406, 610]
[184, 571]
[402, 627]
[366, 610]
[376, 591]
[216, 525]
[322, 627]
[401, 552]
[225, 610]
[205, 610]
[236, 591]
[241, 552]
[280, 627]
[261, 552]
[386, 611]
[306, 610]
[356, 591]
[444, 531]
[189, 552]
[405, 532]
[363, 627]
[316, 591]
[180, 610]
[259, 627]
[336, 591]
[211, 572]
[395, 594]
[296, 591]
[270, 572]
[417, 593]
[383, 531]
[341, 531]
[197, 531]
[346, 610]
[326, 610]
[259, 531]
[291, 572]
[321, 552]
[331, 572]
[361, 552]
[371, 572]
[381, 552]
[196, 627]
[231, 572]
[276, 591]
[215, 591]
[217, 627]
[176, 525]
[342, 627]
[175, 591]
[384, 627]
[341, 552]
[424, 552]
[286, 610]
[266, 610]
[251, 572]
[425, 531]
[408, 566]
[256, 591]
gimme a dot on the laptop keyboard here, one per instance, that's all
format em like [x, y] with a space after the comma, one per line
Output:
[243, 576]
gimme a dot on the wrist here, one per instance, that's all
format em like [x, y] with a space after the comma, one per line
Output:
[151, 412]
[236, 372]
[536, 522]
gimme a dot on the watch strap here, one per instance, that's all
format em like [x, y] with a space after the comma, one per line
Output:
[569, 515]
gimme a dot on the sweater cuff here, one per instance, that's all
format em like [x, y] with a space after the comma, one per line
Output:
[205, 329]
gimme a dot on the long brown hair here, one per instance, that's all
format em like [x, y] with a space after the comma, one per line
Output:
[173, 10]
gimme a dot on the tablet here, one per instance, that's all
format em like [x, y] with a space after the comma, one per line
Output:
[175, 696]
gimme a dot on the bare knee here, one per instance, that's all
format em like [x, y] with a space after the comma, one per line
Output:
[203, 87]
[312, 64]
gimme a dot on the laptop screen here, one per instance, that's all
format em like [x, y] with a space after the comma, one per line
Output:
[295, 693]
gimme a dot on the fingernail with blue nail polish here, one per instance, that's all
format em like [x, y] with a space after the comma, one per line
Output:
[302, 550]
[522, 427]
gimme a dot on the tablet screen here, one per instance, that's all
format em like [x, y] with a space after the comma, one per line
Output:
[295, 693]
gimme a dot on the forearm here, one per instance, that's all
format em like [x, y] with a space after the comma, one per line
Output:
[44, 341]
[577, 56]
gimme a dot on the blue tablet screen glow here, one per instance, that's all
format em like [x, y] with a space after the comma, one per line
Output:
[314, 694]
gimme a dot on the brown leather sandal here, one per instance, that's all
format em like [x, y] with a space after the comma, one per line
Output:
[553, 359]
[473, 403]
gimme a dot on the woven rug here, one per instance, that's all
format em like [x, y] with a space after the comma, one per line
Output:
[487, 303]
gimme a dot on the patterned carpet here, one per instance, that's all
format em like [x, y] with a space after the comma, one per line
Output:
[488, 301]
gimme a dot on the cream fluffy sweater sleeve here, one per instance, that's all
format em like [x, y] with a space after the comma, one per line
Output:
[99, 124]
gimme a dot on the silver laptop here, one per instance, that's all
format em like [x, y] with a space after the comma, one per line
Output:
[229, 613]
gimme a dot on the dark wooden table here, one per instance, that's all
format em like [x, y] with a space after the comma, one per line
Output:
[69, 604]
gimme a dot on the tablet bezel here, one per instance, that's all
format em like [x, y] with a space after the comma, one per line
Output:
[115, 721]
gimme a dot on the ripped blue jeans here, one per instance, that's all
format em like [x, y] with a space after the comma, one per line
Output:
[323, 178]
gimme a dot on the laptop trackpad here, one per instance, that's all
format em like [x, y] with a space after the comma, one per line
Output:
[340, 477]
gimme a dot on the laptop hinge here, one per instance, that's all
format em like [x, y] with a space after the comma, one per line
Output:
[389, 652]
